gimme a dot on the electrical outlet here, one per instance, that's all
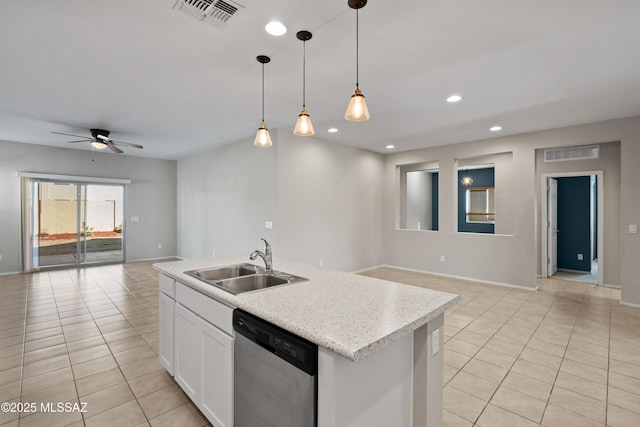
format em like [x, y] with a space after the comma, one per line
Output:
[321, 263]
[580, 257]
[441, 258]
[159, 245]
[633, 228]
[135, 219]
[0, 258]
[435, 342]
[213, 254]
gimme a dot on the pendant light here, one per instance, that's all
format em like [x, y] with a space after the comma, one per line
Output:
[304, 127]
[357, 110]
[262, 137]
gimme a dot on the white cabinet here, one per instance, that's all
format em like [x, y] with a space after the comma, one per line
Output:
[204, 354]
[165, 347]
[216, 386]
[187, 367]
[166, 317]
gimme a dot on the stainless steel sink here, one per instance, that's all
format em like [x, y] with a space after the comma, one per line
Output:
[241, 278]
[226, 272]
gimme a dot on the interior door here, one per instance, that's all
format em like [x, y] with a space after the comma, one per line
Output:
[552, 226]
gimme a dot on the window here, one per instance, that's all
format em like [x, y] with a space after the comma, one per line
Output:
[480, 205]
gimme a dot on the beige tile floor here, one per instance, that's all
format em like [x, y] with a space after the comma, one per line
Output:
[566, 355]
[87, 335]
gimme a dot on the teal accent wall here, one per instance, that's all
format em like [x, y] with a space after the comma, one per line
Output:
[481, 178]
[574, 223]
[434, 201]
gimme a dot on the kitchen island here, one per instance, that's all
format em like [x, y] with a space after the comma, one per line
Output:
[379, 343]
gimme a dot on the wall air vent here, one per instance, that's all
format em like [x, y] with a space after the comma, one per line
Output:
[583, 152]
[214, 12]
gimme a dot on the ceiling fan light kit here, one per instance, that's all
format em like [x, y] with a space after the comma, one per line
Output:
[100, 140]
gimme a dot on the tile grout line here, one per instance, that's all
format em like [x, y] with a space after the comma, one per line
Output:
[553, 386]
[514, 362]
[492, 336]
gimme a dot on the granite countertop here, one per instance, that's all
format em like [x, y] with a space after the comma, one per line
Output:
[348, 314]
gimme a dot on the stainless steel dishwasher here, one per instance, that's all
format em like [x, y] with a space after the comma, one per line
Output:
[275, 375]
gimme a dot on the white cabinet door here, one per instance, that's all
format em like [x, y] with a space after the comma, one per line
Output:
[216, 383]
[165, 348]
[188, 346]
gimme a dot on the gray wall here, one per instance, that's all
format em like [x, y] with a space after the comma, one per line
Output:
[224, 198]
[418, 200]
[151, 195]
[325, 200]
[329, 203]
[609, 163]
[514, 259]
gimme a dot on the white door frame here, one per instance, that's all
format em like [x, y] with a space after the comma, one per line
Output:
[544, 219]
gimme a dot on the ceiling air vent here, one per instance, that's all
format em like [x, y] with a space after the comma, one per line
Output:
[215, 12]
[572, 153]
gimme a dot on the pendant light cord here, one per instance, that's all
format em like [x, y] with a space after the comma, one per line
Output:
[357, 50]
[304, 73]
[263, 92]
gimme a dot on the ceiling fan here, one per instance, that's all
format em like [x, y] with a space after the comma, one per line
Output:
[100, 139]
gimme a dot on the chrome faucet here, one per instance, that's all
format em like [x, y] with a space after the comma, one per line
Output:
[266, 256]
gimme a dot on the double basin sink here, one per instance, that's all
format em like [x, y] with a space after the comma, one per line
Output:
[241, 278]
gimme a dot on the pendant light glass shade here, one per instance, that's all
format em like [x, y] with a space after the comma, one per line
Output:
[304, 127]
[263, 139]
[357, 110]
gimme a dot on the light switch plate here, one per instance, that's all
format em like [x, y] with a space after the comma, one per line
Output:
[633, 228]
[135, 219]
[435, 342]
[268, 225]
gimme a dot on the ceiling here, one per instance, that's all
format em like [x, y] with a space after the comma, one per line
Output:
[154, 76]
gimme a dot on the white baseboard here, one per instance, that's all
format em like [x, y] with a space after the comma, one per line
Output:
[10, 273]
[630, 304]
[153, 259]
[470, 279]
[369, 268]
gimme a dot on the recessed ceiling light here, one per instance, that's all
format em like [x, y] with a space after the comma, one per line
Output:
[495, 128]
[332, 130]
[390, 147]
[454, 98]
[275, 28]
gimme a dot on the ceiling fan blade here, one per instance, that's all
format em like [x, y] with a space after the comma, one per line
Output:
[82, 140]
[127, 144]
[114, 149]
[70, 134]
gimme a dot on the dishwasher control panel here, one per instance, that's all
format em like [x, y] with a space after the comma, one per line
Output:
[294, 349]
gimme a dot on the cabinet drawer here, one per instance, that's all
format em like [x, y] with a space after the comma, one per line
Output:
[167, 285]
[206, 307]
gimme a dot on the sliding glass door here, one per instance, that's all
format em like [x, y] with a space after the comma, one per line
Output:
[76, 223]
